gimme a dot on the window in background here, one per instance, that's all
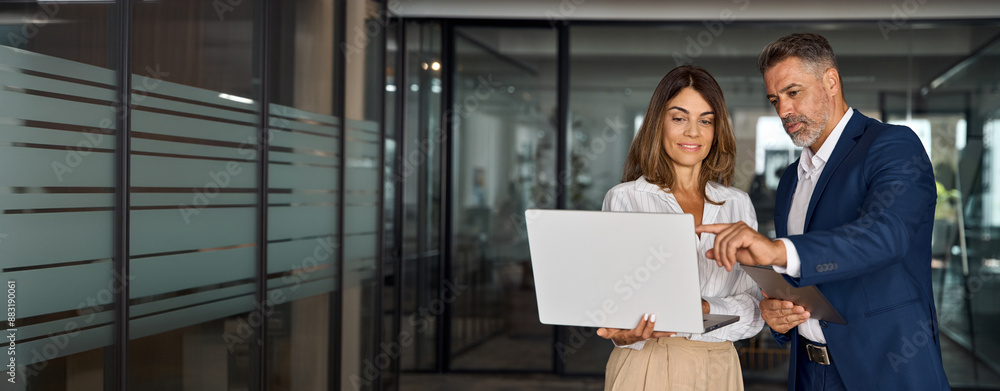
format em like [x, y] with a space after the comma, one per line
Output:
[194, 196]
[391, 333]
[304, 164]
[57, 183]
[364, 91]
[420, 176]
[504, 162]
[960, 106]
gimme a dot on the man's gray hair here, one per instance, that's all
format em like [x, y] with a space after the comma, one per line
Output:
[814, 51]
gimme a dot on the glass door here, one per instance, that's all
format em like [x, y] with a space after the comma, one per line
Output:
[504, 149]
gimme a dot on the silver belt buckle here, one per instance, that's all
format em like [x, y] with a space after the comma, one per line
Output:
[818, 354]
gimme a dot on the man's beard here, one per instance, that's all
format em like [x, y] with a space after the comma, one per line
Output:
[808, 134]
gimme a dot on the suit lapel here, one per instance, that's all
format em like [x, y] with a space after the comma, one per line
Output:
[855, 127]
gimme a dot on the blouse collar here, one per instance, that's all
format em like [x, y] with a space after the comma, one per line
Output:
[712, 191]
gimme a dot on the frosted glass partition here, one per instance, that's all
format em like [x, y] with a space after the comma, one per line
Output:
[304, 174]
[193, 216]
[57, 141]
[361, 201]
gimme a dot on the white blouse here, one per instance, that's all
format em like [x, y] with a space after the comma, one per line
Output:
[728, 293]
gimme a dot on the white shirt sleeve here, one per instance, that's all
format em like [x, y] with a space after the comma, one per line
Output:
[793, 264]
[744, 305]
[616, 201]
[745, 297]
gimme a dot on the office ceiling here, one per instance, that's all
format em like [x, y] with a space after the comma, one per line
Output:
[699, 10]
[618, 58]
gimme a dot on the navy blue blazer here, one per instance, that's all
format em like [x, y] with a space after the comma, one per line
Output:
[867, 247]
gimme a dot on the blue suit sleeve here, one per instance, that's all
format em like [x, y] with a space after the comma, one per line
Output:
[782, 339]
[900, 189]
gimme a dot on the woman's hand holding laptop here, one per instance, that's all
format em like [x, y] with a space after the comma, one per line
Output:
[641, 332]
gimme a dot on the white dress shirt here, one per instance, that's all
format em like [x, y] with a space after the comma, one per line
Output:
[809, 169]
[728, 293]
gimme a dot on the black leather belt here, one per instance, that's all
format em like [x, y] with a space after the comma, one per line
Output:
[817, 353]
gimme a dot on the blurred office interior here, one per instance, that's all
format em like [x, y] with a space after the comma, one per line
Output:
[330, 194]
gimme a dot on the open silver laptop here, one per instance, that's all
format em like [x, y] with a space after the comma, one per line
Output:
[607, 269]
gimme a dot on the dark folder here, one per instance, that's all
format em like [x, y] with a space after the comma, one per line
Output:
[809, 297]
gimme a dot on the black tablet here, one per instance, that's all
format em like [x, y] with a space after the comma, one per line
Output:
[809, 297]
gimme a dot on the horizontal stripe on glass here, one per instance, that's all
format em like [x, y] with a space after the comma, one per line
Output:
[40, 108]
[68, 88]
[153, 171]
[49, 238]
[193, 197]
[163, 231]
[41, 201]
[42, 350]
[188, 316]
[44, 291]
[83, 138]
[301, 254]
[23, 59]
[169, 273]
[299, 221]
[300, 290]
[172, 125]
[27, 167]
[88, 318]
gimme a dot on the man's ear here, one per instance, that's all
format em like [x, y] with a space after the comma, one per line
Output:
[831, 82]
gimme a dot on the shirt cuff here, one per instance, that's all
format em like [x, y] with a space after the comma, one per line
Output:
[717, 306]
[793, 265]
[636, 346]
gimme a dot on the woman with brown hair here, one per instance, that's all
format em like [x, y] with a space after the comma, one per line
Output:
[682, 161]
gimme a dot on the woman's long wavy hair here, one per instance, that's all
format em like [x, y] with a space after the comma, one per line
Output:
[647, 156]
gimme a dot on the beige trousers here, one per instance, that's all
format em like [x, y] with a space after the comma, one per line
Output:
[673, 363]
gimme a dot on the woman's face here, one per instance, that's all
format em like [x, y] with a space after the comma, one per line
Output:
[688, 129]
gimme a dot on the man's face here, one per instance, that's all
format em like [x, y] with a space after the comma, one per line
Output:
[800, 99]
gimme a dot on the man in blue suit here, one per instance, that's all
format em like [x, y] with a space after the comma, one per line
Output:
[853, 216]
